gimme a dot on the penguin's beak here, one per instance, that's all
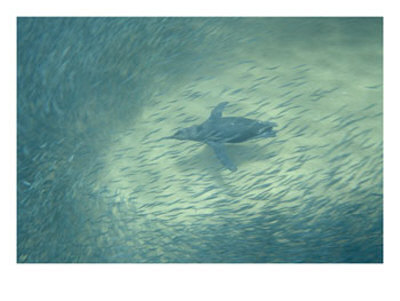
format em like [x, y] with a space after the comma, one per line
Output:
[168, 137]
[179, 135]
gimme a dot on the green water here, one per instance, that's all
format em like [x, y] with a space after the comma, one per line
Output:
[95, 183]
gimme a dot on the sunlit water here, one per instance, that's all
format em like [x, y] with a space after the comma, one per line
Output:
[96, 183]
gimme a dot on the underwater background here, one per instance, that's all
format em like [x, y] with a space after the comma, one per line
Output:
[96, 184]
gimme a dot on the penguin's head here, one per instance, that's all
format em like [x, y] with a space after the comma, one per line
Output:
[190, 133]
[182, 134]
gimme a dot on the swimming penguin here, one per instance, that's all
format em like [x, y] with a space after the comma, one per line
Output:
[217, 130]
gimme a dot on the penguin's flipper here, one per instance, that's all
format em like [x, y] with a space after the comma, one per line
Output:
[217, 111]
[219, 150]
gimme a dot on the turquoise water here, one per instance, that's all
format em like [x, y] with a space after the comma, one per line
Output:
[96, 183]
